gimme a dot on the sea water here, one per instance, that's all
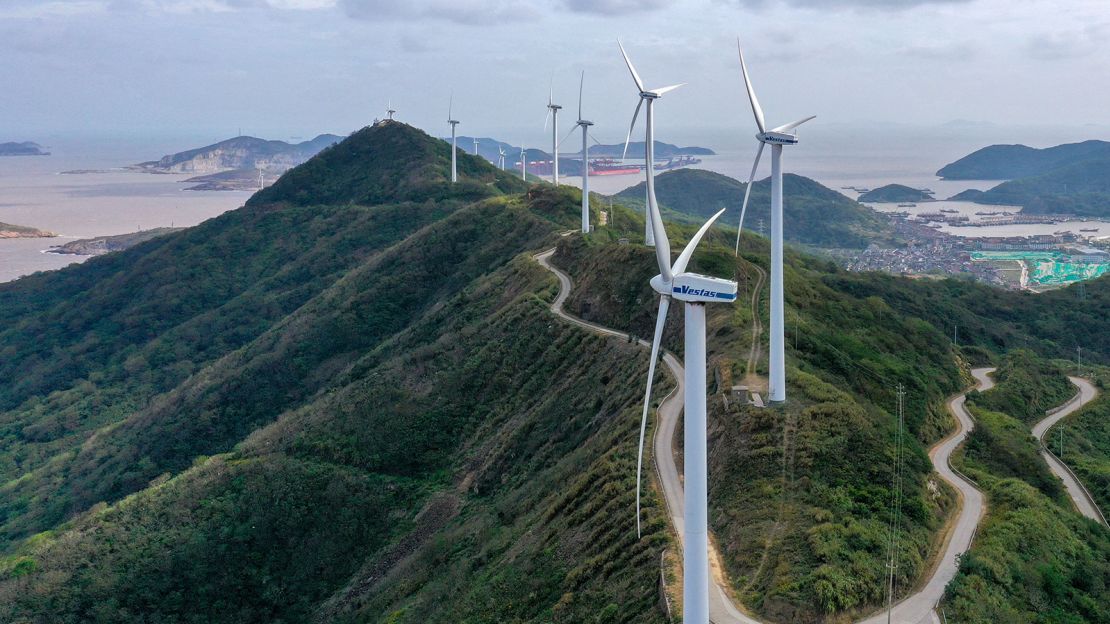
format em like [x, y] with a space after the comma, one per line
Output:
[35, 193]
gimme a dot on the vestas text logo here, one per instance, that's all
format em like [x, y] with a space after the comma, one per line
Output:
[701, 292]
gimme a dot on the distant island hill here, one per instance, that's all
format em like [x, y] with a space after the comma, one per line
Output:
[8, 230]
[667, 156]
[26, 148]
[241, 163]
[896, 193]
[1071, 179]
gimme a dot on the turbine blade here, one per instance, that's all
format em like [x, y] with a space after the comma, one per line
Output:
[747, 194]
[546, 120]
[631, 128]
[664, 90]
[581, 83]
[790, 126]
[756, 110]
[450, 107]
[688, 252]
[594, 139]
[628, 61]
[660, 321]
[572, 129]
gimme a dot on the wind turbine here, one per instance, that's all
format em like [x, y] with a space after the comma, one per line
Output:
[389, 110]
[523, 163]
[261, 179]
[648, 96]
[585, 125]
[501, 157]
[553, 115]
[475, 146]
[776, 138]
[694, 291]
[454, 145]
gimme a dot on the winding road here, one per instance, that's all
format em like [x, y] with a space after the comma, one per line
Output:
[1079, 494]
[917, 608]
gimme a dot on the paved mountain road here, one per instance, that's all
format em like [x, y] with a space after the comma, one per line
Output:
[1079, 495]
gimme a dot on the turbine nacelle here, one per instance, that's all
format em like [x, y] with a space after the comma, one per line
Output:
[583, 122]
[695, 288]
[777, 138]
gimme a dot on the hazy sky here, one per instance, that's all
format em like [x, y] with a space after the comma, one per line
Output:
[281, 68]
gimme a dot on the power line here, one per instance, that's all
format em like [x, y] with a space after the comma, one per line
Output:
[896, 499]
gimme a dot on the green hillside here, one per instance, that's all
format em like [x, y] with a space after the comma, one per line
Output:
[348, 401]
[816, 215]
[1085, 438]
[1008, 162]
[1034, 559]
[1001, 442]
[1081, 189]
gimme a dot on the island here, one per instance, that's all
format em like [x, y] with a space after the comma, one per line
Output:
[896, 193]
[105, 244]
[26, 148]
[1071, 180]
[1007, 162]
[234, 164]
[8, 230]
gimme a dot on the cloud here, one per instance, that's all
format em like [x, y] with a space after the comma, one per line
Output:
[614, 7]
[890, 5]
[1066, 45]
[457, 11]
[955, 51]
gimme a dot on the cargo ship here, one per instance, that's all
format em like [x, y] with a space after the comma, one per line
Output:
[611, 166]
[606, 166]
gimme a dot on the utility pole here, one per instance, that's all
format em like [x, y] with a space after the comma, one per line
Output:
[1061, 444]
[955, 343]
[1078, 361]
[896, 501]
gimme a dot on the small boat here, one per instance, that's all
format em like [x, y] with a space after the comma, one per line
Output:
[1088, 229]
[987, 214]
[862, 190]
[847, 188]
[907, 205]
[949, 211]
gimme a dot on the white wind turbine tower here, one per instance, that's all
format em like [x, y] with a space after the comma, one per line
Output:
[261, 179]
[553, 116]
[694, 291]
[649, 146]
[501, 157]
[454, 144]
[475, 146]
[776, 138]
[585, 125]
[389, 110]
[523, 163]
